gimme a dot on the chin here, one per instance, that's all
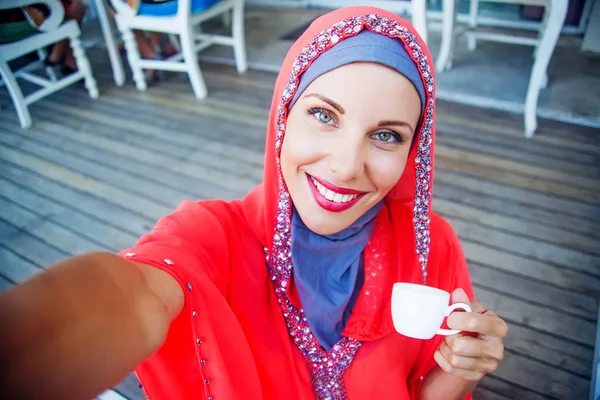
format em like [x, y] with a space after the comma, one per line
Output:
[323, 225]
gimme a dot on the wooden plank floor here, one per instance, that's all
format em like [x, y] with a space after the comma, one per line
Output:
[96, 174]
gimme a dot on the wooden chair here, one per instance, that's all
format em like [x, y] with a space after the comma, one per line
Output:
[51, 31]
[554, 17]
[185, 23]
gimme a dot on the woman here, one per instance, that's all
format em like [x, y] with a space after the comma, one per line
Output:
[285, 294]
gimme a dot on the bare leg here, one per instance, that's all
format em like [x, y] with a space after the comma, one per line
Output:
[148, 51]
[144, 45]
[61, 51]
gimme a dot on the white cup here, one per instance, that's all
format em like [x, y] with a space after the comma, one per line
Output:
[418, 310]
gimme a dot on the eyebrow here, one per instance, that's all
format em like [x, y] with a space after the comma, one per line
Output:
[396, 123]
[328, 101]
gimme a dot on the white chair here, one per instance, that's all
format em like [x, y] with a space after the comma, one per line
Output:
[185, 24]
[554, 17]
[419, 17]
[51, 31]
[417, 9]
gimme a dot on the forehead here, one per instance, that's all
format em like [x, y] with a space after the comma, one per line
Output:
[366, 84]
[358, 72]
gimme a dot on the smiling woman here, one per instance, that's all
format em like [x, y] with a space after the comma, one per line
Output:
[347, 145]
[287, 293]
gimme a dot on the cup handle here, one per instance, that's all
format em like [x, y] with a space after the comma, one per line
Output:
[451, 309]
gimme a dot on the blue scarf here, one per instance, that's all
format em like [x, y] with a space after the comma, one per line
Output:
[328, 273]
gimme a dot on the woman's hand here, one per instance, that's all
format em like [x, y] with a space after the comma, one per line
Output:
[471, 357]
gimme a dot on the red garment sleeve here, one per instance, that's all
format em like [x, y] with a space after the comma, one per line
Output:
[192, 245]
[448, 270]
[190, 238]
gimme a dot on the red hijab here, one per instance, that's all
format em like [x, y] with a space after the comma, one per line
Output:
[322, 35]
[242, 333]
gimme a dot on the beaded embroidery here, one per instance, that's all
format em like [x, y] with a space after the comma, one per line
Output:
[327, 367]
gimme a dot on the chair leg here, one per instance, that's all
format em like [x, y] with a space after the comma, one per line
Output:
[543, 26]
[133, 55]
[556, 18]
[111, 46]
[190, 58]
[239, 48]
[83, 64]
[16, 95]
[444, 59]
[419, 18]
[473, 17]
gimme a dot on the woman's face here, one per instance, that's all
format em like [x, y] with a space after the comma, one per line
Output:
[346, 143]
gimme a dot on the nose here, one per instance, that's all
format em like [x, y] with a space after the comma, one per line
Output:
[347, 157]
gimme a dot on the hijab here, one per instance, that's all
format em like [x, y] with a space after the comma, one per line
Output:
[328, 270]
[401, 236]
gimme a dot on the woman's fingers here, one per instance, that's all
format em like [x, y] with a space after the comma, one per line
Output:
[468, 346]
[458, 361]
[468, 374]
[488, 324]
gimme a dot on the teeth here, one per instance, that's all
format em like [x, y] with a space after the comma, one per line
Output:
[333, 196]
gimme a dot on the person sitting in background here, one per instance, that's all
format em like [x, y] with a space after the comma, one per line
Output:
[62, 55]
[19, 23]
[151, 45]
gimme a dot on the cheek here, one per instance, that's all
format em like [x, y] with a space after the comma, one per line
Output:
[386, 171]
[299, 148]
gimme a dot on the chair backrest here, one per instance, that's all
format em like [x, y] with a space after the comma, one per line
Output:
[57, 12]
[184, 8]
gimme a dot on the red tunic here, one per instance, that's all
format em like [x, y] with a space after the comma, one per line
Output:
[231, 340]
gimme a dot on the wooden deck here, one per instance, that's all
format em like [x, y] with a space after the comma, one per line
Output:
[96, 174]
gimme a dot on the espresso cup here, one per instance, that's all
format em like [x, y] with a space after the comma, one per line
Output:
[418, 310]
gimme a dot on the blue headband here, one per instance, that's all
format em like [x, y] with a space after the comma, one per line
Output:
[367, 46]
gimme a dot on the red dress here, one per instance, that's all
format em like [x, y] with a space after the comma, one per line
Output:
[240, 334]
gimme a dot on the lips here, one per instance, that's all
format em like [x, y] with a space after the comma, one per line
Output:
[331, 197]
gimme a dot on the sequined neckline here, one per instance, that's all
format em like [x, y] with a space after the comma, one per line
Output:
[328, 367]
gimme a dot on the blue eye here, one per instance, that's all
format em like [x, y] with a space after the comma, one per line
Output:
[322, 115]
[324, 118]
[384, 136]
[388, 137]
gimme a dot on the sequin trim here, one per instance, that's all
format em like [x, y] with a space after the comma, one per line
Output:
[328, 367]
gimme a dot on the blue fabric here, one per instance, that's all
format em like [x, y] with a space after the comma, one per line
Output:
[328, 273]
[169, 7]
[367, 46]
[328, 270]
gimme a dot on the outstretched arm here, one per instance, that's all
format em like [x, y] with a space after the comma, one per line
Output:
[82, 326]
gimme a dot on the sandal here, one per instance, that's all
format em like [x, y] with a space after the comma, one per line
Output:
[153, 75]
[66, 70]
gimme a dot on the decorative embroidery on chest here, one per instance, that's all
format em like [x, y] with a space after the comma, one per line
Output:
[328, 367]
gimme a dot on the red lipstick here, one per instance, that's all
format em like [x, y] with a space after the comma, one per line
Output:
[330, 205]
